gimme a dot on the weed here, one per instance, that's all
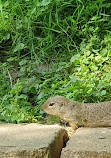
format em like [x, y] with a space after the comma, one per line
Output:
[59, 47]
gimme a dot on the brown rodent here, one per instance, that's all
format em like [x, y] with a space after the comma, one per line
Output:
[79, 114]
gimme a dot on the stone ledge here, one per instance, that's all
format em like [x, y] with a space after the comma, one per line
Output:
[31, 141]
[89, 143]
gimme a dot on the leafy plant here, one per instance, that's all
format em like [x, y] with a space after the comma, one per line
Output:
[48, 48]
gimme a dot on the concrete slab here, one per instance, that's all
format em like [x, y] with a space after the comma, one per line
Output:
[89, 143]
[31, 141]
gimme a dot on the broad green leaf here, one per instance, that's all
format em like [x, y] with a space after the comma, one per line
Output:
[103, 92]
[94, 67]
[73, 79]
[7, 36]
[18, 47]
[75, 57]
[33, 90]
[98, 57]
[94, 18]
[23, 69]
[22, 96]
[41, 95]
[43, 3]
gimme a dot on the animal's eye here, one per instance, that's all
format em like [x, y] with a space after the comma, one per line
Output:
[51, 104]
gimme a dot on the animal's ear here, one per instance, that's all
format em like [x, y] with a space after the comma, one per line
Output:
[51, 104]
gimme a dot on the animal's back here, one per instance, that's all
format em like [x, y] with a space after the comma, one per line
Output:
[97, 114]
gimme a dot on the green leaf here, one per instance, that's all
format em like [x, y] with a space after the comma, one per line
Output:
[75, 57]
[73, 21]
[94, 18]
[7, 36]
[1, 7]
[25, 90]
[23, 69]
[33, 11]
[94, 67]
[43, 3]
[23, 62]
[73, 79]
[41, 95]
[33, 90]
[103, 92]
[18, 47]
[22, 96]
[12, 59]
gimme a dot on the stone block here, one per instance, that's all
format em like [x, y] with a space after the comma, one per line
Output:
[31, 141]
[89, 143]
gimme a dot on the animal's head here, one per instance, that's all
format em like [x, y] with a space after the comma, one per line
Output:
[55, 105]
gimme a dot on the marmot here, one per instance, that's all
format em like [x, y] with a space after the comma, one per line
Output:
[79, 114]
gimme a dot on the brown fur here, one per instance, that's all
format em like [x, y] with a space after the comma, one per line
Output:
[79, 114]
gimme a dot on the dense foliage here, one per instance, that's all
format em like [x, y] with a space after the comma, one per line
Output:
[52, 47]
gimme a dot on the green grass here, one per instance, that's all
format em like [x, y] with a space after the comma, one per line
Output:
[73, 37]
